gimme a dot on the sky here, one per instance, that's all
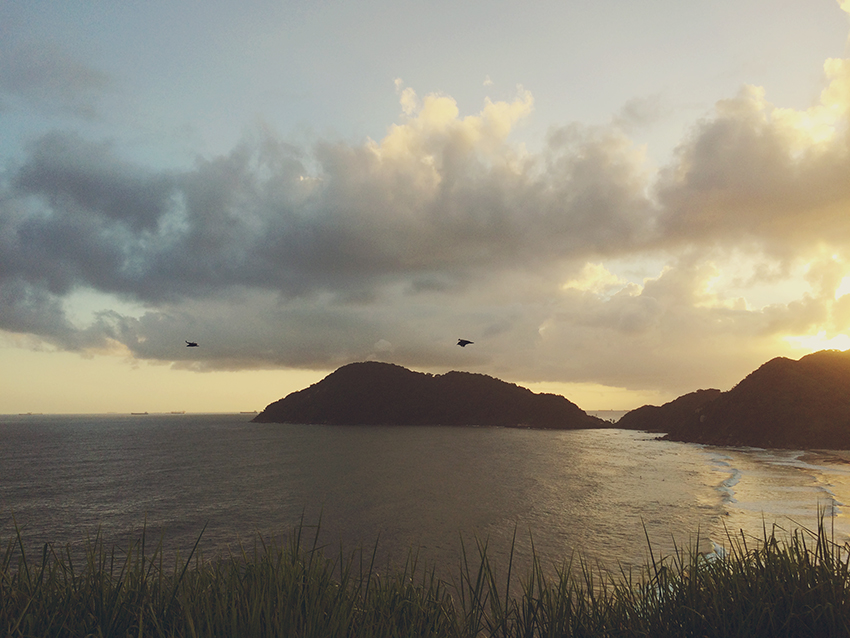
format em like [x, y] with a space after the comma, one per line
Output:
[619, 202]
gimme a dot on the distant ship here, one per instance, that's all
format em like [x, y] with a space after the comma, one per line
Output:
[248, 412]
[138, 413]
[178, 412]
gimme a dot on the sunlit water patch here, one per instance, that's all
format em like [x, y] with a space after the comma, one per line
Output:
[790, 488]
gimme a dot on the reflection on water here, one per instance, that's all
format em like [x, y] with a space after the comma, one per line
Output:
[596, 491]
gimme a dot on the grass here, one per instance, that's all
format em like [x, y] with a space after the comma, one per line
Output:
[795, 584]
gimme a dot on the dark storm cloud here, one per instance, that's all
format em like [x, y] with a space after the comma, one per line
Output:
[29, 309]
[75, 214]
[81, 179]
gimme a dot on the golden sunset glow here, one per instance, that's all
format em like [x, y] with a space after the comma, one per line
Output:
[820, 341]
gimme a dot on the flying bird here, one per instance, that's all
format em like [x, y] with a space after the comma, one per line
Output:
[464, 342]
[191, 344]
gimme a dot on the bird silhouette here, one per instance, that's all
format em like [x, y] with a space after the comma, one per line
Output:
[191, 344]
[464, 342]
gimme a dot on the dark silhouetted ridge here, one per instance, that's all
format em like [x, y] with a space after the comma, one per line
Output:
[801, 404]
[668, 417]
[372, 393]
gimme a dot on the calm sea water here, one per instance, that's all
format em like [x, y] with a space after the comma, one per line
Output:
[63, 478]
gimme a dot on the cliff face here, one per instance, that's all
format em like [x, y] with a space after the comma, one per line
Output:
[372, 393]
[783, 404]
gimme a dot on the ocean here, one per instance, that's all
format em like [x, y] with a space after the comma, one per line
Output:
[431, 490]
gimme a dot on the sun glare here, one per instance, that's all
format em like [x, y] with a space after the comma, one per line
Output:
[594, 396]
[843, 288]
[595, 278]
[813, 343]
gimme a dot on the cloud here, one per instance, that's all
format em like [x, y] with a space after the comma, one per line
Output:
[440, 198]
[81, 178]
[46, 77]
[31, 309]
[639, 113]
[672, 332]
[764, 175]
[407, 97]
[579, 262]
[595, 278]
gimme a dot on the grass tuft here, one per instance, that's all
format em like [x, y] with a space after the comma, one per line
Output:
[784, 584]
